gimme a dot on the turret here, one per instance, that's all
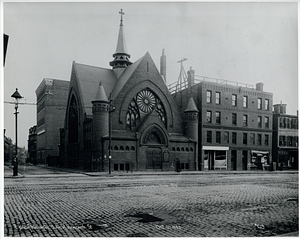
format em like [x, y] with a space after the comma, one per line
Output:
[100, 119]
[121, 56]
[191, 120]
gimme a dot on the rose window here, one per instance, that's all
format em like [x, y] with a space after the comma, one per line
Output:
[146, 101]
[142, 104]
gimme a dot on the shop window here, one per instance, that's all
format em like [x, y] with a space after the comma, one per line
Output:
[121, 166]
[116, 167]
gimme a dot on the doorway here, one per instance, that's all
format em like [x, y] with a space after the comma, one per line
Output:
[233, 159]
[153, 158]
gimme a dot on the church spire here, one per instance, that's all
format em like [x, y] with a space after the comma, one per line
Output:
[121, 56]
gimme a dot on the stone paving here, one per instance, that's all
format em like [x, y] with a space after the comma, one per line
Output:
[151, 206]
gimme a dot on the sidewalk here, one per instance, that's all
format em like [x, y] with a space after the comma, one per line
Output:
[76, 172]
[8, 172]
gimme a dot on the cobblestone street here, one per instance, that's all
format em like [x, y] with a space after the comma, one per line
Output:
[202, 205]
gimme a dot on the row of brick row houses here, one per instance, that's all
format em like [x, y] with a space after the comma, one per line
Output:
[127, 119]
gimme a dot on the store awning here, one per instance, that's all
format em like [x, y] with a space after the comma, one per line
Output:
[214, 148]
[260, 153]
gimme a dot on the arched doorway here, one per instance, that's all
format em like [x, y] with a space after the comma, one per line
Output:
[154, 139]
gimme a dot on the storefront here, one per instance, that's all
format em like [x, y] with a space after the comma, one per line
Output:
[260, 159]
[215, 157]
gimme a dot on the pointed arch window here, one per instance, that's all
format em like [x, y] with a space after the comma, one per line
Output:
[73, 121]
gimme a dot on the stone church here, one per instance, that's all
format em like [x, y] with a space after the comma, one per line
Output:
[125, 119]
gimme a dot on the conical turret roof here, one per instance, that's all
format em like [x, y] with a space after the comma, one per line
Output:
[101, 96]
[191, 106]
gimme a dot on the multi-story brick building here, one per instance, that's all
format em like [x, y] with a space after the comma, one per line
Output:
[32, 140]
[235, 123]
[285, 138]
[52, 97]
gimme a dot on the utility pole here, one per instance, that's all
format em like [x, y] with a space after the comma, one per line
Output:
[111, 109]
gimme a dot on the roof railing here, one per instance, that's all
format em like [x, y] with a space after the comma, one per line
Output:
[178, 86]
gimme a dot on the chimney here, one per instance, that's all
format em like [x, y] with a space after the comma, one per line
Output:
[191, 77]
[260, 86]
[280, 108]
[163, 65]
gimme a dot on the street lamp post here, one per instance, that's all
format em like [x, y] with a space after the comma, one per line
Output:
[110, 110]
[16, 95]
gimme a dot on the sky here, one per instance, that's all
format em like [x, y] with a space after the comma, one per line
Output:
[243, 42]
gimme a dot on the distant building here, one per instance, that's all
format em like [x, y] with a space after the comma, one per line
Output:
[8, 149]
[285, 138]
[235, 122]
[32, 142]
[52, 97]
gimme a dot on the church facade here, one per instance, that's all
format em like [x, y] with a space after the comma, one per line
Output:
[125, 119]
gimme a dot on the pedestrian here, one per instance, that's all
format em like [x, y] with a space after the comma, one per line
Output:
[15, 166]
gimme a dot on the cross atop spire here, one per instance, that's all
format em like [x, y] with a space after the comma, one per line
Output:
[121, 56]
[122, 13]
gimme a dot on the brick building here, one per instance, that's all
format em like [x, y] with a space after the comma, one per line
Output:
[32, 142]
[285, 138]
[8, 149]
[51, 105]
[235, 122]
[124, 118]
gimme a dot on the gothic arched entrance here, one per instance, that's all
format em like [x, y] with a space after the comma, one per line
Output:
[154, 139]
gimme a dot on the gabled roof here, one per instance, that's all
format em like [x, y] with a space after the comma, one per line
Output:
[88, 79]
[125, 77]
